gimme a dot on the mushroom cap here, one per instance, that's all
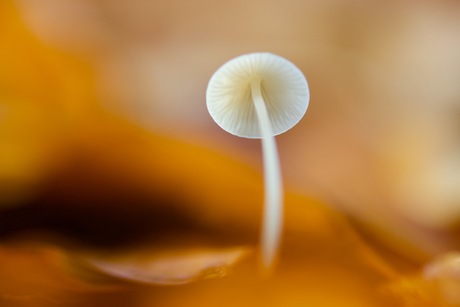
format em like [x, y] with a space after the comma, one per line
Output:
[283, 87]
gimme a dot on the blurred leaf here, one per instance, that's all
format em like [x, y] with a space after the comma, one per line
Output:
[42, 92]
[167, 267]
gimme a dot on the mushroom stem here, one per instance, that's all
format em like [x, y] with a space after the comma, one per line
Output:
[273, 208]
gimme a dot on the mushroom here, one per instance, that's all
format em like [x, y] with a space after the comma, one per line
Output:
[261, 95]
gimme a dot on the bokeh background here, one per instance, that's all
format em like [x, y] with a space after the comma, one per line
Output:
[91, 92]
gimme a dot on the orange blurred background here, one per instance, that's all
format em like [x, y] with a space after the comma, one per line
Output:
[110, 165]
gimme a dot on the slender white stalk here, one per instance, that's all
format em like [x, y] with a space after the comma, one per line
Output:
[273, 208]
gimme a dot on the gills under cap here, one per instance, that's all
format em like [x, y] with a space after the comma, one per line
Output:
[283, 86]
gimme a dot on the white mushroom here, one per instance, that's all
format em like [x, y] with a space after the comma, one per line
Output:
[260, 95]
